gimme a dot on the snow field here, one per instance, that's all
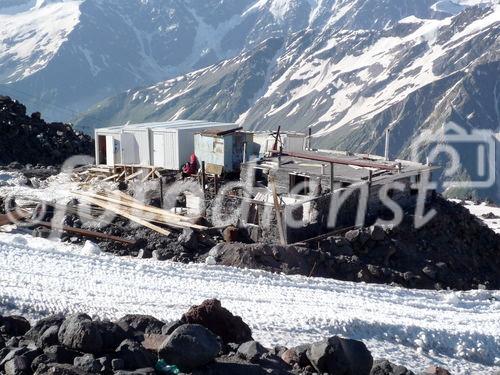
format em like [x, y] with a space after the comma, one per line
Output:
[459, 330]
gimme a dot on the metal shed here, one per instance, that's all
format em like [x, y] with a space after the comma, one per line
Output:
[159, 144]
[224, 148]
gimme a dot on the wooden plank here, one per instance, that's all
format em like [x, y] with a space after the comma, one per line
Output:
[159, 215]
[121, 175]
[157, 173]
[99, 170]
[143, 207]
[119, 211]
[147, 176]
[133, 175]
[279, 216]
[85, 233]
[112, 177]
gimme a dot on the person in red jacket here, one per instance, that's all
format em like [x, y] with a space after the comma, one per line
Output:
[191, 167]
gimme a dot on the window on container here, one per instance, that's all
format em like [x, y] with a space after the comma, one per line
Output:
[299, 184]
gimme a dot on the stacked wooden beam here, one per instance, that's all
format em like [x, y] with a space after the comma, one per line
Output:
[118, 173]
[148, 216]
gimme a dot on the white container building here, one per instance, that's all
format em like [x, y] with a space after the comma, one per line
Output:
[159, 144]
[289, 141]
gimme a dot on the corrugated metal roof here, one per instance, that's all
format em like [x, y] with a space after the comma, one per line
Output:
[177, 124]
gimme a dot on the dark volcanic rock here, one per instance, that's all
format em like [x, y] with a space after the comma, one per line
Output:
[140, 323]
[31, 140]
[134, 355]
[88, 363]
[59, 369]
[190, 346]
[384, 367]
[79, 332]
[212, 315]
[342, 356]
[42, 325]
[14, 325]
[49, 337]
[112, 335]
[60, 354]
[297, 355]
[188, 239]
[251, 351]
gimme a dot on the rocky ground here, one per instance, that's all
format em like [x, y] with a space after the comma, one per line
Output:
[30, 140]
[207, 339]
[454, 250]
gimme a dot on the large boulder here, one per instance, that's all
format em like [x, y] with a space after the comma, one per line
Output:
[222, 322]
[49, 337]
[19, 365]
[140, 324]
[14, 325]
[112, 335]
[18, 362]
[337, 355]
[79, 332]
[384, 367]
[134, 355]
[190, 346]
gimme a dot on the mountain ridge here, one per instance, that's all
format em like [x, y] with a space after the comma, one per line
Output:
[63, 56]
[348, 86]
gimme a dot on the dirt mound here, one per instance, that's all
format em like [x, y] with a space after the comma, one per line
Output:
[29, 139]
[454, 250]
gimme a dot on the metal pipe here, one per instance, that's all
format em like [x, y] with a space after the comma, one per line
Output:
[386, 152]
[332, 175]
[203, 176]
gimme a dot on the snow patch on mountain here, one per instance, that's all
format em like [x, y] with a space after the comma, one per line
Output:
[30, 38]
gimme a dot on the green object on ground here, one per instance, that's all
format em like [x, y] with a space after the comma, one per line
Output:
[164, 368]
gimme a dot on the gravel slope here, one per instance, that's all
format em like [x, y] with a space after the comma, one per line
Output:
[458, 330]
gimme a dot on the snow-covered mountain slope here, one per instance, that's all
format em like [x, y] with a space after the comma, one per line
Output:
[458, 330]
[64, 55]
[30, 39]
[346, 83]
